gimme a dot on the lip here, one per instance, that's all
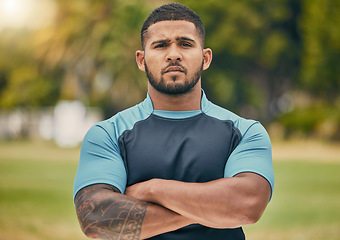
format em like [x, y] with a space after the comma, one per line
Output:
[174, 69]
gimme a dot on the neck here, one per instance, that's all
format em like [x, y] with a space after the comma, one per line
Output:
[183, 102]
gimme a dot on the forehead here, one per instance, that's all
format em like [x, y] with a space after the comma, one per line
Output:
[170, 30]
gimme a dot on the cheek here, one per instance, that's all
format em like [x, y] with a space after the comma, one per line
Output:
[196, 63]
[153, 68]
[153, 62]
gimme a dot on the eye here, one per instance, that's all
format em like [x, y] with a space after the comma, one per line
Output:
[186, 44]
[161, 45]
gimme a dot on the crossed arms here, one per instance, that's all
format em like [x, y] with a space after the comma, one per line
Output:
[158, 206]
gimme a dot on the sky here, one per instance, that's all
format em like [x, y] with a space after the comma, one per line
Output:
[26, 14]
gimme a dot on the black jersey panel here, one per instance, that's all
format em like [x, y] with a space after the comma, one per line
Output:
[192, 149]
[200, 232]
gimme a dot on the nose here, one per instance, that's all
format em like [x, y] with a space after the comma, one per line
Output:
[174, 53]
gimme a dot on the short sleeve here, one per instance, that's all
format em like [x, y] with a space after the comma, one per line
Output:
[100, 160]
[253, 154]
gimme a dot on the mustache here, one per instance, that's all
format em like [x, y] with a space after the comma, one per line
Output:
[174, 64]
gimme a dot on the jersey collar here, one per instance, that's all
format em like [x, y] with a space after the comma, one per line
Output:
[148, 106]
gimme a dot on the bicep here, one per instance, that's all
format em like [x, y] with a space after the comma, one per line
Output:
[90, 199]
[252, 155]
[255, 185]
[90, 191]
[250, 195]
[100, 161]
[104, 212]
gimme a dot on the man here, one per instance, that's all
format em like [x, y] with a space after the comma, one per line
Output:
[175, 166]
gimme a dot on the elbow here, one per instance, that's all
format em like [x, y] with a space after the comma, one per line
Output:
[240, 219]
[246, 215]
[88, 227]
[95, 227]
[90, 224]
[237, 220]
[253, 208]
[253, 213]
[92, 235]
[251, 218]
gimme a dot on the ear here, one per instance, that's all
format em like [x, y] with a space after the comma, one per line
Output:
[207, 58]
[140, 60]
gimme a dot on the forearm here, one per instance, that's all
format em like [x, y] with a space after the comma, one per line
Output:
[224, 203]
[106, 214]
[204, 202]
[160, 220]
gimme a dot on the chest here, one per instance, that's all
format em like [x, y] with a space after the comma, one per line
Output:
[191, 150]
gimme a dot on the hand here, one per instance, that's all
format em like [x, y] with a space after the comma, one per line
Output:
[143, 190]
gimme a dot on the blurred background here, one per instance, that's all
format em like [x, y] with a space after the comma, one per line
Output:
[65, 65]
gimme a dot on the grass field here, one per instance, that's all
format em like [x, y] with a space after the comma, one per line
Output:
[36, 193]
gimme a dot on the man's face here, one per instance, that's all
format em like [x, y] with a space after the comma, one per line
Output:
[173, 57]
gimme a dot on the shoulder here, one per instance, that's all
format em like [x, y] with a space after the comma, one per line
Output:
[242, 124]
[120, 122]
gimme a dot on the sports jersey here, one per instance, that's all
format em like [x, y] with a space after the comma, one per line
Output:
[141, 143]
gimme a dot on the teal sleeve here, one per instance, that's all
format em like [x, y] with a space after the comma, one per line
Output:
[253, 154]
[100, 160]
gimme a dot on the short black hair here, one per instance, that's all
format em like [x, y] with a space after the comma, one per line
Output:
[173, 12]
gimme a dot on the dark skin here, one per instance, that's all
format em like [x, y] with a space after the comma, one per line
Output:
[159, 206]
[104, 212]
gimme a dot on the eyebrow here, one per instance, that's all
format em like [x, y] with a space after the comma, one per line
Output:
[177, 39]
[160, 41]
[186, 39]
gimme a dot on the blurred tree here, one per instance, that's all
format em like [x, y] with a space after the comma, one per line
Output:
[89, 52]
[94, 44]
[262, 51]
[320, 72]
[318, 112]
[256, 53]
[22, 82]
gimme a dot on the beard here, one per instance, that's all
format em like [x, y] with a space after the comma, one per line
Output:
[174, 89]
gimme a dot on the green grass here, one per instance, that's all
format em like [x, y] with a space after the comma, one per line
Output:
[36, 192]
[305, 205]
[36, 197]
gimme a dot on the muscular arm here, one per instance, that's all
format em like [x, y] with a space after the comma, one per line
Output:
[223, 203]
[105, 213]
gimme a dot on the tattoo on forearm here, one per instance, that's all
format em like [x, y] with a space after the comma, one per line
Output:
[109, 217]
